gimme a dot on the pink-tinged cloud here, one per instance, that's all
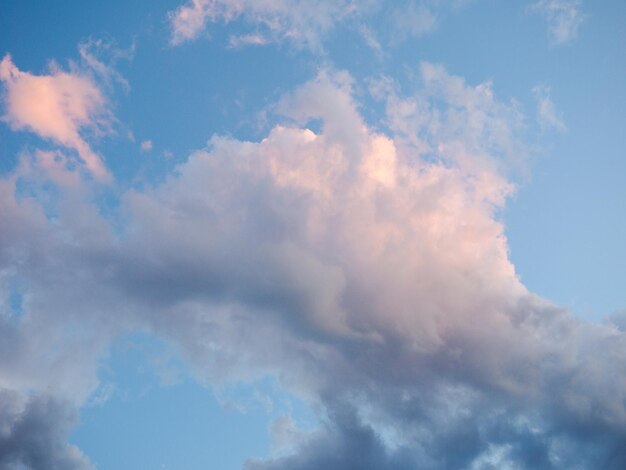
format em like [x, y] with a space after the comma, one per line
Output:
[367, 271]
[308, 23]
[303, 23]
[59, 107]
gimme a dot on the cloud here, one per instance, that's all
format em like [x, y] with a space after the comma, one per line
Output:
[146, 146]
[367, 271]
[247, 40]
[374, 279]
[343, 444]
[547, 116]
[414, 20]
[59, 106]
[619, 319]
[100, 57]
[34, 432]
[298, 21]
[564, 18]
[307, 23]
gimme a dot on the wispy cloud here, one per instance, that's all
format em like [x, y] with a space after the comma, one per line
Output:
[301, 22]
[547, 116]
[247, 40]
[564, 18]
[146, 145]
[412, 20]
[308, 23]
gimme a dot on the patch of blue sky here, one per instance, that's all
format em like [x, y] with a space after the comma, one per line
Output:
[150, 413]
[12, 299]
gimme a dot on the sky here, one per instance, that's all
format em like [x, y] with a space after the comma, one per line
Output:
[288, 234]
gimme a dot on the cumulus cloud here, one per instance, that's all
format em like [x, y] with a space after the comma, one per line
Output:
[564, 18]
[547, 116]
[146, 145]
[59, 106]
[367, 271]
[385, 277]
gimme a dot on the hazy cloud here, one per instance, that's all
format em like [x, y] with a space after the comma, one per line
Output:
[547, 116]
[298, 21]
[146, 145]
[412, 20]
[308, 23]
[564, 18]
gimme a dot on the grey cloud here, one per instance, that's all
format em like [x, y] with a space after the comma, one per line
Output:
[345, 444]
[33, 434]
[619, 319]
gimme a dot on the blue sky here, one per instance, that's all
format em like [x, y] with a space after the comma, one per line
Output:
[329, 234]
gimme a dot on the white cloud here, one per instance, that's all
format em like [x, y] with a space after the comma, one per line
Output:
[247, 40]
[146, 145]
[59, 106]
[547, 116]
[564, 18]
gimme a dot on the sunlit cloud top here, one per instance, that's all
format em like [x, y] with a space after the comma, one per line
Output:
[326, 238]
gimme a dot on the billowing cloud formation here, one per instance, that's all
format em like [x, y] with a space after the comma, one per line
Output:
[366, 271]
[564, 17]
[58, 106]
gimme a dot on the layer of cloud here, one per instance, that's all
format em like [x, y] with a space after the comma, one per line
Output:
[60, 106]
[366, 270]
[296, 20]
[564, 18]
